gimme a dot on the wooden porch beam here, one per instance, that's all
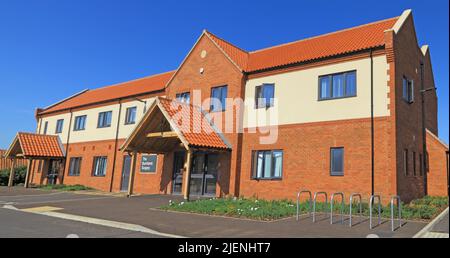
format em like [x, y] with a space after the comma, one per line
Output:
[27, 177]
[187, 176]
[132, 173]
[163, 135]
[11, 173]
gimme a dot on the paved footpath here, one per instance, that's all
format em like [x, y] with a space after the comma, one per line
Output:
[142, 211]
[439, 228]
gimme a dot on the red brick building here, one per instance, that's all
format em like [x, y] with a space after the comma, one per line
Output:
[324, 114]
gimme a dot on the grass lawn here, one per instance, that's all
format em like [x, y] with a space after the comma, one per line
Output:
[422, 209]
[65, 188]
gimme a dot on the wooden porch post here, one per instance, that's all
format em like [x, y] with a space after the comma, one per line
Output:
[11, 173]
[132, 173]
[187, 177]
[27, 177]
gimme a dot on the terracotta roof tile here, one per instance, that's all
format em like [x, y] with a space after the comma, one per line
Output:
[38, 145]
[199, 132]
[328, 45]
[136, 87]
[239, 56]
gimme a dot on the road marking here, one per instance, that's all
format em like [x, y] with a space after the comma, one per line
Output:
[101, 222]
[32, 195]
[64, 200]
[72, 236]
[42, 209]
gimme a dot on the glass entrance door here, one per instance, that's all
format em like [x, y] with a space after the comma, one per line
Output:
[53, 171]
[178, 164]
[204, 174]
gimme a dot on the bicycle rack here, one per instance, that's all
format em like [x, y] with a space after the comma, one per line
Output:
[359, 196]
[342, 206]
[372, 200]
[315, 201]
[399, 204]
[298, 202]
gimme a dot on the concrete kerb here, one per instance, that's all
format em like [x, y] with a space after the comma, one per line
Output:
[426, 229]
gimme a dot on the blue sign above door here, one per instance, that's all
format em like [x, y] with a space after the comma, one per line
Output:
[148, 163]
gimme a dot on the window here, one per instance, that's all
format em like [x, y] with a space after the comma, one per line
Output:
[104, 119]
[74, 166]
[80, 123]
[408, 90]
[59, 126]
[99, 169]
[405, 162]
[45, 127]
[148, 163]
[421, 164]
[219, 99]
[130, 117]
[414, 164]
[264, 95]
[267, 164]
[184, 97]
[335, 86]
[337, 162]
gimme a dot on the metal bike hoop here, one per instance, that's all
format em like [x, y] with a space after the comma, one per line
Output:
[315, 202]
[372, 200]
[332, 206]
[352, 197]
[399, 205]
[298, 202]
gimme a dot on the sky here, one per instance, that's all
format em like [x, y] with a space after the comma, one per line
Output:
[51, 49]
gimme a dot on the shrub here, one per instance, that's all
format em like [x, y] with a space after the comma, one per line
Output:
[68, 188]
[19, 176]
[422, 209]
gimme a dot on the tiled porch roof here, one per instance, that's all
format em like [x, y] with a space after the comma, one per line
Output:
[31, 145]
[205, 136]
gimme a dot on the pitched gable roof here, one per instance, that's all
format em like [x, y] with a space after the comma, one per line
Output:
[36, 145]
[237, 55]
[328, 45]
[191, 125]
[206, 136]
[122, 90]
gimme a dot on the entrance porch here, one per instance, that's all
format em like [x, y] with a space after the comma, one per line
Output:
[195, 154]
[47, 150]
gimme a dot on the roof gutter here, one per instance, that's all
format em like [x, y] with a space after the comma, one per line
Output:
[103, 102]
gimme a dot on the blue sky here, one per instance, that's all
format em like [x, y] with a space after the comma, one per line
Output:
[50, 49]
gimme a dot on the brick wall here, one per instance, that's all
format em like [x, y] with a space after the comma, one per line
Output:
[306, 161]
[144, 183]
[437, 175]
[408, 57]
